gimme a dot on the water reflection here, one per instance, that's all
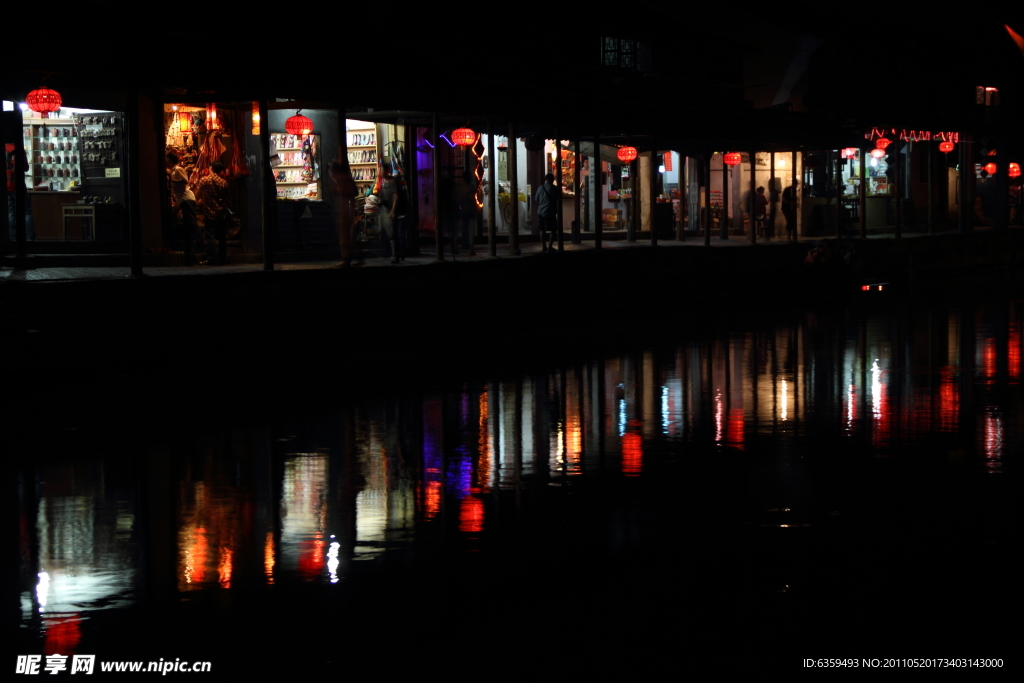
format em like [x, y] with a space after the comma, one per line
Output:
[303, 501]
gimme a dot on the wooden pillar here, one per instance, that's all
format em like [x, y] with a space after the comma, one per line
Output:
[492, 194]
[435, 155]
[899, 188]
[513, 177]
[683, 188]
[839, 193]
[558, 182]
[931, 188]
[862, 195]
[705, 215]
[753, 197]
[796, 209]
[772, 197]
[652, 186]
[723, 226]
[596, 172]
[966, 186]
[134, 184]
[633, 224]
[577, 191]
[21, 196]
[268, 193]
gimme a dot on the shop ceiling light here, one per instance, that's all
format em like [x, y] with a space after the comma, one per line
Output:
[43, 101]
[255, 117]
[1014, 169]
[946, 147]
[733, 158]
[626, 154]
[878, 153]
[464, 136]
[882, 143]
[298, 124]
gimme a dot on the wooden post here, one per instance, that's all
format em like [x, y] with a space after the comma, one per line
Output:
[435, 155]
[862, 195]
[771, 198]
[839, 193]
[931, 191]
[21, 197]
[577, 191]
[723, 226]
[513, 177]
[558, 182]
[652, 183]
[134, 184]
[492, 194]
[796, 208]
[705, 215]
[899, 188]
[268, 205]
[633, 224]
[596, 172]
[753, 197]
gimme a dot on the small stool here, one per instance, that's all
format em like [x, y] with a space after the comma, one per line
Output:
[86, 214]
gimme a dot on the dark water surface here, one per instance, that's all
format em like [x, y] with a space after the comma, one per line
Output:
[832, 483]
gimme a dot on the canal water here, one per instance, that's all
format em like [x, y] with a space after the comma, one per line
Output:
[838, 482]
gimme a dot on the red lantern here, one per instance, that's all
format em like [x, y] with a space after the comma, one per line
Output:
[43, 101]
[627, 154]
[1014, 169]
[733, 158]
[990, 168]
[878, 153]
[298, 125]
[212, 123]
[185, 122]
[882, 143]
[464, 136]
[946, 147]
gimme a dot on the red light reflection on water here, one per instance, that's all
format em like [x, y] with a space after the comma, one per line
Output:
[632, 453]
[734, 428]
[311, 557]
[62, 634]
[949, 399]
[471, 513]
[1013, 353]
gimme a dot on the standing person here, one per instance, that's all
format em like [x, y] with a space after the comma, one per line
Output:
[345, 207]
[15, 165]
[789, 197]
[546, 197]
[212, 194]
[183, 203]
[760, 208]
[465, 198]
[395, 201]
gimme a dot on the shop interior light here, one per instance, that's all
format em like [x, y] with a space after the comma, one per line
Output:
[990, 168]
[878, 153]
[255, 118]
[946, 147]
[1014, 169]
[733, 158]
[298, 124]
[626, 154]
[849, 152]
[212, 122]
[43, 101]
[185, 122]
[464, 136]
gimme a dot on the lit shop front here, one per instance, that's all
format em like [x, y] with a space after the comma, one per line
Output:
[74, 178]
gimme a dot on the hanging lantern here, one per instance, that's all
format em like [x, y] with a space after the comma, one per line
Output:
[882, 143]
[626, 154]
[212, 122]
[464, 136]
[255, 118]
[1014, 169]
[43, 101]
[849, 152]
[298, 124]
[990, 168]
[185, 122]
[946, 147]
[732, 158]
[878, 153]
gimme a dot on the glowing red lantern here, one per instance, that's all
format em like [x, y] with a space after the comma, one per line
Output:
[1014, 169]
[43, 101]
[464, 136]
[882, 143]
[627, 154]
[990, 168]
[878, 153]
[298, 124]
[185, 122]
[946, 147]
[733, 158]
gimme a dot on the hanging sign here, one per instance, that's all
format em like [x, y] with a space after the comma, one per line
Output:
[113, 172]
